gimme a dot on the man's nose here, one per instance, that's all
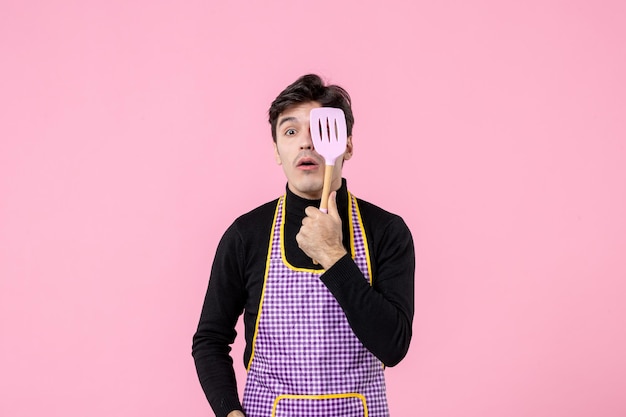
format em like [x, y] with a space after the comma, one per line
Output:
[306, 140]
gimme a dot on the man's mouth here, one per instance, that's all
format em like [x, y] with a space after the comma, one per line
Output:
[307, 163]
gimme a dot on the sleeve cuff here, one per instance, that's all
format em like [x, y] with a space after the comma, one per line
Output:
[341, 273]
[227, 405]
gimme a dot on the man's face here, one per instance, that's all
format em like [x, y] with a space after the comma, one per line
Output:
[294, 150]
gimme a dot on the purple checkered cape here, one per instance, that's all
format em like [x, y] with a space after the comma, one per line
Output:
[306, 361]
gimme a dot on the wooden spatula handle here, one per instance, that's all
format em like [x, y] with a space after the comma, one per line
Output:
[328, 177]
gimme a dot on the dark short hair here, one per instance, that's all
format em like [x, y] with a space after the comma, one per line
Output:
[307, 88]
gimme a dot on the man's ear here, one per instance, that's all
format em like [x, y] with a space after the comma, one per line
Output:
[277, 155]
[349, 149]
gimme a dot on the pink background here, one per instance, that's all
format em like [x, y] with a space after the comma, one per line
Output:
[132, 133]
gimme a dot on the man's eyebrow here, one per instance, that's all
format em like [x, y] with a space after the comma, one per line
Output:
[287, 119]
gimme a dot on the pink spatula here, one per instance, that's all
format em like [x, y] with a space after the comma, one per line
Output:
[329, 135]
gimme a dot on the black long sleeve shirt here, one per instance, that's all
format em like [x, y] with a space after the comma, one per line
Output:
[380, 314]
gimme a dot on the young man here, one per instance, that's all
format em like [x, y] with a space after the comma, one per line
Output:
[318, 334]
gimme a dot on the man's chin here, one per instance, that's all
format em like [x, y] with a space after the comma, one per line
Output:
[309, 191]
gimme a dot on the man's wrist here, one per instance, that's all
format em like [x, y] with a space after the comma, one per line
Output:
[332, 258]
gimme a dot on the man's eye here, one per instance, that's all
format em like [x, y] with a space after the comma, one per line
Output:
[290, 132]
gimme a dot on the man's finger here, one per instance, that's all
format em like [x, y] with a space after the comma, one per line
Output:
[332, 205]
[311, 211]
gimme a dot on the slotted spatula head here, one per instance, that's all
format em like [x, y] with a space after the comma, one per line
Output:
[329, 132]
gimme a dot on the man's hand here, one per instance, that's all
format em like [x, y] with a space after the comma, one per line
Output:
[236, 413]
[320, 236]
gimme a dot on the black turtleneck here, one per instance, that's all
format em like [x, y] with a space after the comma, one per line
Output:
[380, 315]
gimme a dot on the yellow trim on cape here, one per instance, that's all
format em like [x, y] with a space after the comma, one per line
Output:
[267, 270]
[282, 200]
[320, 397]
[282, 247]
[367, 248]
